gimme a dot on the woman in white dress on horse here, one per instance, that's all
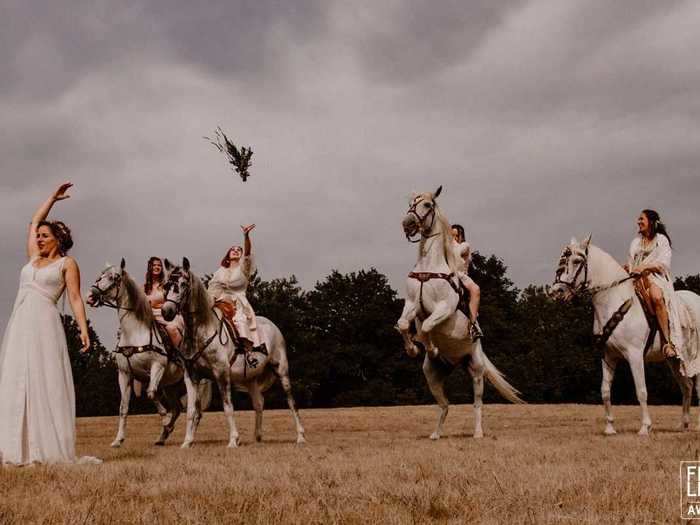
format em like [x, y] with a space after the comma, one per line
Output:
[37, 397]
[650, 261]
[228, 285]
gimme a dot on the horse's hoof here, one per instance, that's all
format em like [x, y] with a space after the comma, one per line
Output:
[160, 443]
[478, 434]
[116, 443]
[609, 431]
[186, 444]
[301, 439]
[258, 439]
[644, 431]
[434, 436]
[684, 427]
[234, 443]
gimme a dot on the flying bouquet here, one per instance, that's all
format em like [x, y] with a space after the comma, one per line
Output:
[238, 158]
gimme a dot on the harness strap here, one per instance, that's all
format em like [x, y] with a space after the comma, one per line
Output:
[599, 340]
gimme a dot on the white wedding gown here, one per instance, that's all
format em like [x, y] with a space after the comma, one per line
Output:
[37, 399]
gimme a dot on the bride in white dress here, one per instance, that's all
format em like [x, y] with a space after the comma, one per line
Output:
[37, 398]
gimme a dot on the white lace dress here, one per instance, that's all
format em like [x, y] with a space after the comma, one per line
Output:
[37, 398]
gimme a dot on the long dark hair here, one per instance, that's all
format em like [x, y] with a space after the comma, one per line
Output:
[148, 286]
[460, 231]
[62, 234]
[656, 225]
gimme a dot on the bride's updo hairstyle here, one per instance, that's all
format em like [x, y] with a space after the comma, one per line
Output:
[62, 234]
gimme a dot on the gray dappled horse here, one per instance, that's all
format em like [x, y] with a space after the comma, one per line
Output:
[210, 351]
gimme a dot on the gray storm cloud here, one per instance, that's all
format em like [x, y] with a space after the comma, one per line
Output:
[541, 119]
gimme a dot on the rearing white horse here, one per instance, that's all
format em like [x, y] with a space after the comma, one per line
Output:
[618, 313]
[431, 302]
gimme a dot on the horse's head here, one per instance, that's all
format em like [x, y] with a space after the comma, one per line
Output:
[107, 286]
[178, 288]
[420, 216]
[571, 277]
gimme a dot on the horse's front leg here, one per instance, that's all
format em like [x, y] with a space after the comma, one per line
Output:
[637, 366]
[403, 325]
[609, 364]
[157, 371]
[222, 376]
[125, 389]
[442, 311]
[191, 409]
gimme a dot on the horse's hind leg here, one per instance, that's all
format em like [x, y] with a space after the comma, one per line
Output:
[686, 385]
[637, 367]
[258, 401]
[609, 364]
[476, 369]
[435, 377]
[281, 370]
[125, 388]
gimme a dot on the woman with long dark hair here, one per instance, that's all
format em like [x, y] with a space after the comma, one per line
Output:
[37, 397]
[650, 262]
[463, 254]
[153, 287]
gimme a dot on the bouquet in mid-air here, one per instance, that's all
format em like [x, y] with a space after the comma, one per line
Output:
[239, 158]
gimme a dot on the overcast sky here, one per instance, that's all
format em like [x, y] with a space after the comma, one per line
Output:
[541, 119]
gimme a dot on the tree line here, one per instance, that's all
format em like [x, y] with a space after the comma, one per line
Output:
[344, 351]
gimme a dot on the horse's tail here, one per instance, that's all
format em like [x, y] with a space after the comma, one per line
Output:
[497, 379]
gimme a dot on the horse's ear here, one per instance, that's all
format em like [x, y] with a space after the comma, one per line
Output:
[586, 242]
[437, 192]
[122, 265]
[168, 264]
[186, 264]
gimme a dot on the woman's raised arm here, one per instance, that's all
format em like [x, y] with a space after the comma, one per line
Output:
[41, 213]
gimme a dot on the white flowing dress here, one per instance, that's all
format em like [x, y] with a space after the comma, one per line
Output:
[230, 284]
[37, 397]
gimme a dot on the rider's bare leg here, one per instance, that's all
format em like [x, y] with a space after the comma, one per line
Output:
[657, 299]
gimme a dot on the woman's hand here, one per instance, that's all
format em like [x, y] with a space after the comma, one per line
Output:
[85, 340]
[60, 194]
[247, 229]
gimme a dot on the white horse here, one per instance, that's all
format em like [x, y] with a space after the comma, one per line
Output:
[213, 353]
[141, 351]
[618, 314]
[431, 303]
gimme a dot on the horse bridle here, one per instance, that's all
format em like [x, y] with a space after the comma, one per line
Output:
[413, 210]
[583, 267]
[101, 301]
[185, 290]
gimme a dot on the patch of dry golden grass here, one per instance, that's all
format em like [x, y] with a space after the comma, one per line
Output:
[537, 464]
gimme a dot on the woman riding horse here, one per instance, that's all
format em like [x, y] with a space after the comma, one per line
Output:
[228, 288]
[650, 262]
[463, 254]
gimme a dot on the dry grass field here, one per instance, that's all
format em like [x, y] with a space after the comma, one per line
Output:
[537, 464]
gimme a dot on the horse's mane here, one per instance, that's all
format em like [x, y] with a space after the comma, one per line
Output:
[447, 240]
[446, 234]
[138, 301]
[200, 301]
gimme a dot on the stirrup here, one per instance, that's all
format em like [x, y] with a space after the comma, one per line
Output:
[475, 331]
[669, 351]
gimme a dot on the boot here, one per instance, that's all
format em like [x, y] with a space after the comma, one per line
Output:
[262, 348]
